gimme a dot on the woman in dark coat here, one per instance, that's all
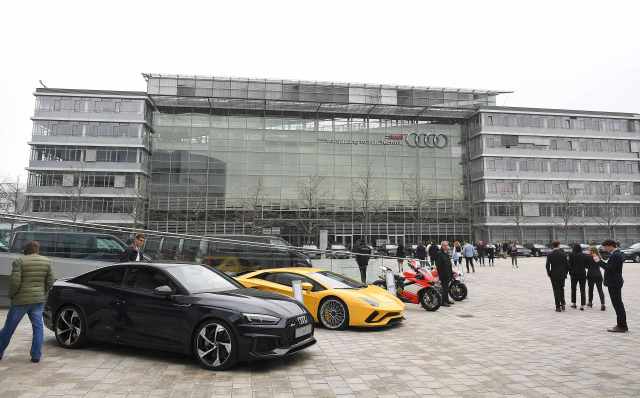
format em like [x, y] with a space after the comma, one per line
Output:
[400, 254]
[594, 277]
[577, 270]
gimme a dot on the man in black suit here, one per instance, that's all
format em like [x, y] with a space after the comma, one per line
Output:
[557, 268]
[613, 281]
[134, 252]
[445, 273]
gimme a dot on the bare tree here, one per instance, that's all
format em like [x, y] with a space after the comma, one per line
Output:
[309, 193]
[74, 189]
[254, 204]
[609, 214]
[364, 197]
[12, 199]
[517, 202]
[418, 195]
[567, 208]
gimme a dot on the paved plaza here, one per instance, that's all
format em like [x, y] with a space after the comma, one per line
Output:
[504, 340]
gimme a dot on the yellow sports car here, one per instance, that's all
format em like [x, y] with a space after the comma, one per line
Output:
[333, 299]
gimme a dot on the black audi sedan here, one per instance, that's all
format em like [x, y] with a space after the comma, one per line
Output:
[184, 308]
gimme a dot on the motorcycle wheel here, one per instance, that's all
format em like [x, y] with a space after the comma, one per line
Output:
[430, 299]
[458, 291]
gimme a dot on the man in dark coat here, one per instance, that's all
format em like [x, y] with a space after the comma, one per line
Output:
[421, 253]
[594, 278]
[557, 268]
[445, 273]
[134, 251]
[362, 258]
[578, 264]
[433, 252]
[613, 281]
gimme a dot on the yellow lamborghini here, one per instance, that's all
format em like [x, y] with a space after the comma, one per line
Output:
[333, 299]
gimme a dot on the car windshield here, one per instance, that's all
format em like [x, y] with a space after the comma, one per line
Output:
[332, 280]
[199, 279]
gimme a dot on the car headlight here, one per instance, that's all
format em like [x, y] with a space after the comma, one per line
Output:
[369, 301]
[261, 319]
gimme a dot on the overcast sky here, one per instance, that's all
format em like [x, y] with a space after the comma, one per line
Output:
[554, 54]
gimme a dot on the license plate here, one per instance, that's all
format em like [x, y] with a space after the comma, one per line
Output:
[303, 331]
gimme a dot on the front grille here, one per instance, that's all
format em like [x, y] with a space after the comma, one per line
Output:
[290, 332]
[265, 344]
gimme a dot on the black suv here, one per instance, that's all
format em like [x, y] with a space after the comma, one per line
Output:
[632, 253]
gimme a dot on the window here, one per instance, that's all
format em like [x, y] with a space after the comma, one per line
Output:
[286, 279]
[198, 279]
[147, 279]
[111, 277]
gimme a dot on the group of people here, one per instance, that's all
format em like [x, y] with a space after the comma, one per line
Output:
[583, 268]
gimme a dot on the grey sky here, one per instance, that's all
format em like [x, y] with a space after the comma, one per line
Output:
[556, 54]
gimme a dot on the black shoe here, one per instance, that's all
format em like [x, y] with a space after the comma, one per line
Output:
[590, 305]
[581, 308]
[602, 308]
[563, 308]
[445, 305]
[35, 360]
[573, 305]
[558, 309]
[451, 302]
[618, 329]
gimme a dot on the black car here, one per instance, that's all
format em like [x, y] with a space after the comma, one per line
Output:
[184, 308]
[632, 253]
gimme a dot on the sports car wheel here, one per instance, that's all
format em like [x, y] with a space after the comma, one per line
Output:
[70, 328]
[333, 314]
[214, 345]
[458, 291]
[430, 299]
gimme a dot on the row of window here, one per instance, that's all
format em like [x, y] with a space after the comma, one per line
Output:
[97, 105]
[77, 129]
[554, 144]
[83, 205]
[561, 122]
[93, 179]
[526, 188]
[76, 154]
[561, 165]
[560, 210]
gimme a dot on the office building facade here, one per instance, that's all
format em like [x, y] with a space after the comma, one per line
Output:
[347, 161]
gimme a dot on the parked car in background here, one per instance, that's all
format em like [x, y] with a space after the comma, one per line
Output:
[632, 253]
[3, 247]
[311, 251]
[388, 249]
[538, 249]
[77, 245]
[523, 251]
[566, 248]
[338, 251]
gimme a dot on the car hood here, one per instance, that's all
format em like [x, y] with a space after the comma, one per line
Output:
[252, 301]
[386, 300]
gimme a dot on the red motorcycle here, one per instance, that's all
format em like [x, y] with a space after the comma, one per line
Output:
[417, 286]
[457, 289]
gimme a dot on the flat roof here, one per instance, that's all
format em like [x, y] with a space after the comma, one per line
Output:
[47, 90]
[553, 111]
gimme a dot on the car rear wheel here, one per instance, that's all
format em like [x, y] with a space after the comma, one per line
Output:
[214, 345]
[70, 328]
[333, 314]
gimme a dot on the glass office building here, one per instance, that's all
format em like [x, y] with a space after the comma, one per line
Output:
[333, 162]
[295, 158]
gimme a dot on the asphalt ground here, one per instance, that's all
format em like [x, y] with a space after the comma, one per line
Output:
[504, 340]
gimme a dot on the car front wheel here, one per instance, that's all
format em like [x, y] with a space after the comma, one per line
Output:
[214, 345]
[70, 327]
[333, 314]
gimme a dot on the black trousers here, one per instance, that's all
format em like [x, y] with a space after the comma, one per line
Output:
[514, 261]
[558, 291]
[469, 260]
[445, 290]
[363, 273]
[582, 283]
[491, 261]
[481, 258]
[615, 294]
[598, 283]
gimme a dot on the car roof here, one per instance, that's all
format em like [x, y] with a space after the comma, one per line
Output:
[295, 270]
[159, 265]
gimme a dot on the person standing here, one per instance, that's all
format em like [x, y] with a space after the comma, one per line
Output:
[432, 250]
[577, 271]
[362, 258]
[481, 252]
[614, 282]
[557, 268]
[513, 251]
[30, 280]
[491, 255]
[457, 253]
[594, 277]
[421, 253]
[467, 252]
[134, 251]
[400, 254]
[445, 273]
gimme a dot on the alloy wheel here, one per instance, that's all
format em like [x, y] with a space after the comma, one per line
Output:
[214, 345]
[68, 327]
[333, 314]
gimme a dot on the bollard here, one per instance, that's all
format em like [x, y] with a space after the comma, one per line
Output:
[391, 282]
[297, 290]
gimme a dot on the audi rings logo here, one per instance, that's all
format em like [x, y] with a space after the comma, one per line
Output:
[425, 140]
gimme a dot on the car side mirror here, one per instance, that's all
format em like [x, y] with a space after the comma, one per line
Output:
[307, 287]
[164, 291]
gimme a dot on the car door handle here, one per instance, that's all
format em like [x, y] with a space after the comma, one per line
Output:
[181, 305]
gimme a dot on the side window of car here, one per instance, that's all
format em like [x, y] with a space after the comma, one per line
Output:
[109, 277]
[147, 279]
[286, 279]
